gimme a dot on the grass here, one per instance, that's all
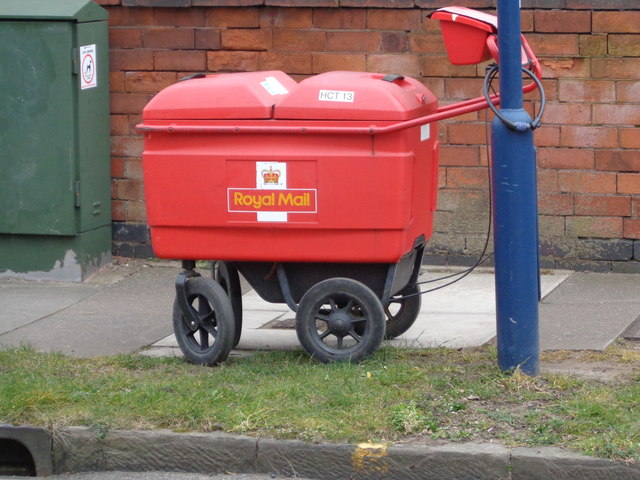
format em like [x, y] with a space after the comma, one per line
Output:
[437, 394]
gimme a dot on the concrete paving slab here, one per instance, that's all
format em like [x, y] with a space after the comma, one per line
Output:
[592, 288]
[24, 302]
[592, 326]
[120, 317]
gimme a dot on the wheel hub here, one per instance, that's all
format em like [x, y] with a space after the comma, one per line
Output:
[340, 323]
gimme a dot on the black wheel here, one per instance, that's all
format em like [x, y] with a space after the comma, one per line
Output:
[340, 320]
[402, 312]
[208, 339]
[227, 276]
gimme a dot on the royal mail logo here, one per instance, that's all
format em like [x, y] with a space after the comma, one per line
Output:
[291, 200]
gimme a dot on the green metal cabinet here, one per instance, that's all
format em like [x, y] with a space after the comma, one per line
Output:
[55, 202]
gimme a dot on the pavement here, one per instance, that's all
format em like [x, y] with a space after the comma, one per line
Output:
[126, 308]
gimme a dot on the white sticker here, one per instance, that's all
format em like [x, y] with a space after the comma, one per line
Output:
[336, 96]
[425, 132]
[88, 67]
[273, 86]
[271, 176]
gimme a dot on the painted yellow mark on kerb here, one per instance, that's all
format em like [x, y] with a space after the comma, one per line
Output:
[370, 458]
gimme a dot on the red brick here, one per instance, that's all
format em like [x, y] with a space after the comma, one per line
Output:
[440, 66]
[546, 44]
[624, 45]
[119, 125]
[629, 137]
[562, 67]
[128, 102]
[550, 86]
[126, 147]
[117, 167]
[629, 183]
[136, 211]
[131, 59]
[615, 68]
[466, 133]
[635, 207]
[592, 45]
[226, 3]
[568, 113]
[435, 85]
[377, 3]
[598, 137]
[326, 62]
[426, 43]
[462, 88]
[233, 17]
[562, 21]
[628, 91]
[618, 160]
[395, 42]
[339, 18]
[166, 37]
[459, 156]
[616, 114]
[118, 210]
[547, 136]
[246, 39]
[566, 158]
[602, 205]
[387, 19]
[353, 41]
[127, 189]
[133, 168]
[125, 37]
[300, 40]
[408, 65]
[547, 180]
[180, 17]
[306, 3]
[555, 204]
[287, 62]
[594, 227]
[149, 82]
[180, 60]
[467, 177]
[552, 225]
[126, 16]
[571, 90]
[207, 39]
[116, 82]
[587, 182]
[526, 21]
[616, 22]
[286, 18]
[222, 61]
[107, 2]
[631, 228]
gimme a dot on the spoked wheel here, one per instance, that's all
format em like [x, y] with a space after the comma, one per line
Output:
[340, 320]
[402, 312]
[207, 338]
[227, 276]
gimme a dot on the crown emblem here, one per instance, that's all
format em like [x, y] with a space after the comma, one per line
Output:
[271, 176]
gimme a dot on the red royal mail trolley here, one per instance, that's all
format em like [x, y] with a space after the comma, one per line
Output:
[320, 193]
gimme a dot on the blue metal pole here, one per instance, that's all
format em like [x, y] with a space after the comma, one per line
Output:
[515, 209]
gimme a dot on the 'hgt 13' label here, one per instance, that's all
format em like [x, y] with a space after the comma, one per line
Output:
[258, 200]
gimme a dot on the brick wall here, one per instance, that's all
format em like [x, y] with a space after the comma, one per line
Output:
[589, 145]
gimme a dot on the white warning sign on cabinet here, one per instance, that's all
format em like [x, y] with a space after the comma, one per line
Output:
[88, 67]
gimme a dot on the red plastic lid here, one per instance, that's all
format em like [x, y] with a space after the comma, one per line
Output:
[356, 96]
[250, 95]
[467, 16]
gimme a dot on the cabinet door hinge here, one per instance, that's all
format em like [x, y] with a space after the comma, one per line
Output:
[76, 193]
[75, 61]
